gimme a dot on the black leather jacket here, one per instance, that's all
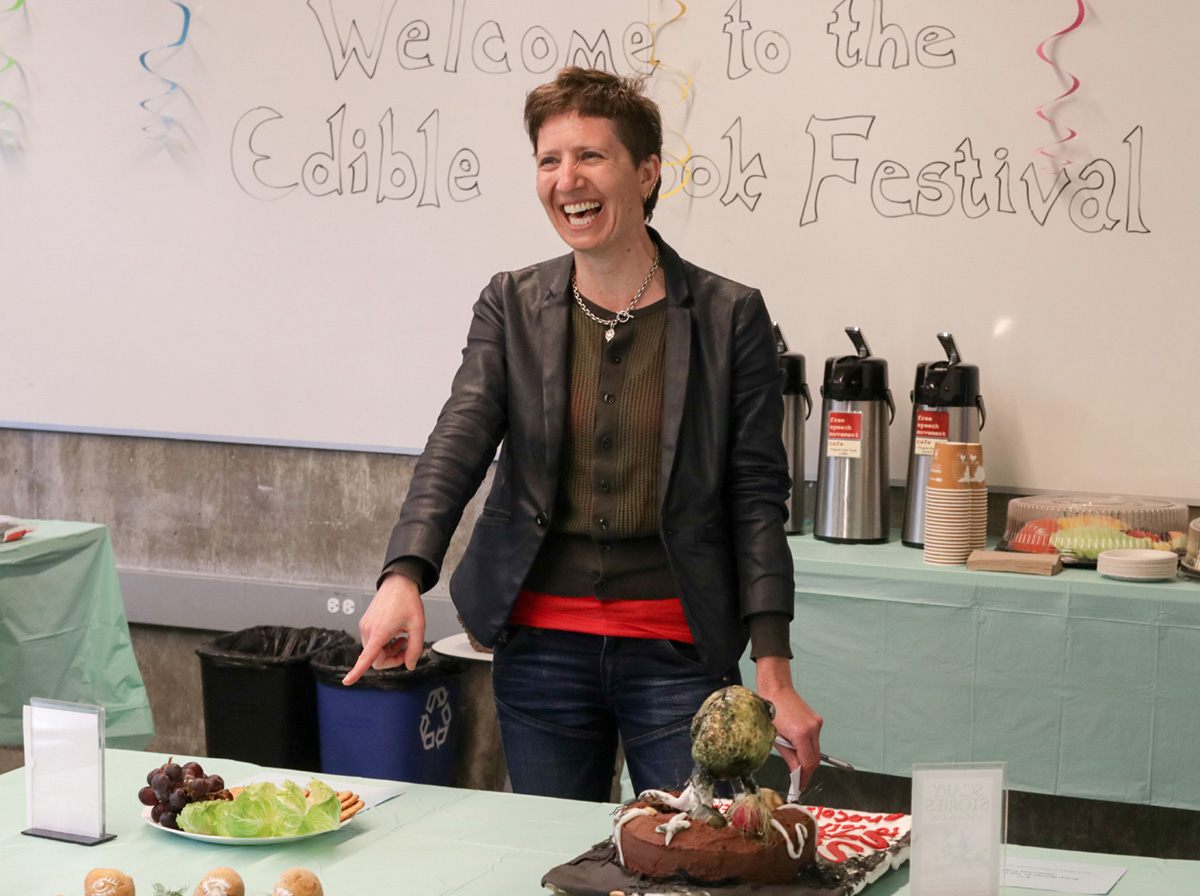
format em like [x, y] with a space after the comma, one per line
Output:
[723, 479]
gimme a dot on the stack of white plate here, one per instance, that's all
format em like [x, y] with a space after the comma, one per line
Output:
[1137, 564]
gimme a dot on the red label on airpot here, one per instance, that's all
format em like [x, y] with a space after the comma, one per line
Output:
[933, 425]
[845, 424]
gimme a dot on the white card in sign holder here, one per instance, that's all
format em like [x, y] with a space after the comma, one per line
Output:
[959, 816]
[64, 771]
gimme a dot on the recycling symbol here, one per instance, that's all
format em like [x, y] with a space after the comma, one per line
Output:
[435, 722]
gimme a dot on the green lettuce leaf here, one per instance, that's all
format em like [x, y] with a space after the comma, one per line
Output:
[199, 818]
[325, 812]
[254, 813]
[265, 810]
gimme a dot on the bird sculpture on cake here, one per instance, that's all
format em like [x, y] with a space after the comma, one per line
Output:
[732, 734]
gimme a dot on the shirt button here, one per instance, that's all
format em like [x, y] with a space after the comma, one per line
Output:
[605, 486]
[609, 398]
[603, 524]
[606, 441]
[605, 548]
[542, 519]
[615, 358]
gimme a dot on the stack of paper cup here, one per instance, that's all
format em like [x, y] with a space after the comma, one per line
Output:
[955, 503]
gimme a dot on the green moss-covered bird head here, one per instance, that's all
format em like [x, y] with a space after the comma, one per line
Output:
[732, 733]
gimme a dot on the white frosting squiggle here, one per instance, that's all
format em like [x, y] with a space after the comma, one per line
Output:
[104, 886]
[621, 822]
[801, 835]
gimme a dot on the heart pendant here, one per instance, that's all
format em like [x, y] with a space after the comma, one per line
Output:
[609, 334]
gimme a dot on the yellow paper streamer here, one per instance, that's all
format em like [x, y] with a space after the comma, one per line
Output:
[656, 64]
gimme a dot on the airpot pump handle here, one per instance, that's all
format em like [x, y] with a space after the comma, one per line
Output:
[860, 342]
[947, 341]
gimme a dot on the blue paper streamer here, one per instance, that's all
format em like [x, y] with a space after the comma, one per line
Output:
[164, 124]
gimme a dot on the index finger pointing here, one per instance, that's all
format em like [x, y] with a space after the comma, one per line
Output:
[370, 653]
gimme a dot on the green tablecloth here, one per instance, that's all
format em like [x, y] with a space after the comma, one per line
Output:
[1084, 685]
[63, 633]
[429, 840]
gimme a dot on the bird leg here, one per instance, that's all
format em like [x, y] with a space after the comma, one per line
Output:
[702, 808]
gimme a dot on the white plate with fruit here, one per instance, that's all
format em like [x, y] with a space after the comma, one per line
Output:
[183, 800]
[234, 841]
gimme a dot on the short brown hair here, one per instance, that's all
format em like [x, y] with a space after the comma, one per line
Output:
[599, 94]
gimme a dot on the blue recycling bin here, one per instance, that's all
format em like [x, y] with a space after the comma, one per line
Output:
[392, 724]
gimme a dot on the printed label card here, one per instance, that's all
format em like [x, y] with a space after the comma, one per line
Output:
[1061, 877]
[959, 814]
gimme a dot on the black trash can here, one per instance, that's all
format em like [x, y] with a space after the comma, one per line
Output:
[259, 702]
[393, 723]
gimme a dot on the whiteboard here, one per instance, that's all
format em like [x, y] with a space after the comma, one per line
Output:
[272, 228]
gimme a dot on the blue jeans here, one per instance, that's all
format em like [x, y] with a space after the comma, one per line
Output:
[564, 699]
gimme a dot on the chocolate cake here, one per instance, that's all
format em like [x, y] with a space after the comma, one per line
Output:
[654, 841]
[675, 841]
[854, 849]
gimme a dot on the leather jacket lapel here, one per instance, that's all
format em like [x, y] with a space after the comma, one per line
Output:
[677, 357]
[555, 312]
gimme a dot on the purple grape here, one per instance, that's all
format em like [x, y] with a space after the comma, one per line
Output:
[147, 796]
[192, 770]
[173, 771]
[215, 783]
[167, 820]
[150, 774]
[197, 788]
[157, 811]
[177, 800]
[162, 786]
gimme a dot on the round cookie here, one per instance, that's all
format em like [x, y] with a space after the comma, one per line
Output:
[108, 882]
[221, 882]
[298, 882]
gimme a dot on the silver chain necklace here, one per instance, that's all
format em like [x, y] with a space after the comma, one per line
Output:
[622, 316]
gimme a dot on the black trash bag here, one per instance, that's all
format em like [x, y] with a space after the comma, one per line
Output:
[330, 666]
[260, 703]
[272, 645]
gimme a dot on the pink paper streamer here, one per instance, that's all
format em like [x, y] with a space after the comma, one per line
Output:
[1071, 133]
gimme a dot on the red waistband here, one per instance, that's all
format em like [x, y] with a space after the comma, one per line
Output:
[592, 616]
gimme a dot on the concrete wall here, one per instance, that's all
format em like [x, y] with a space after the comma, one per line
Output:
[243, 511]
[208, 535]
[198, 526]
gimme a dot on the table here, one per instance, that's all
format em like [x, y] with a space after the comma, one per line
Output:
[429, 840]
[1084, 685]
[63, 632]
